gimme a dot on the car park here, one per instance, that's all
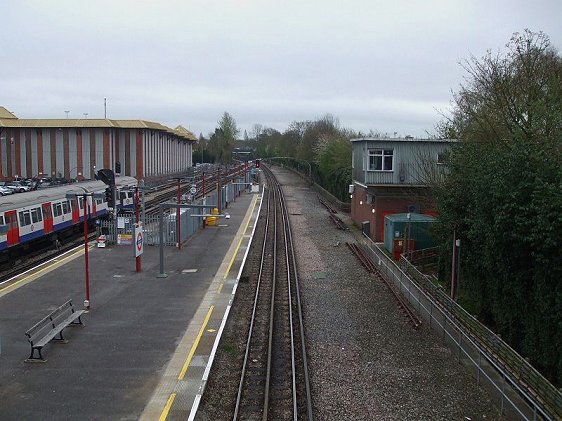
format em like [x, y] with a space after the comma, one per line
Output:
[18, 187]
[5, 191]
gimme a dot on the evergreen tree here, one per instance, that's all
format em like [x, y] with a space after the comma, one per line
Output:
[503, 195]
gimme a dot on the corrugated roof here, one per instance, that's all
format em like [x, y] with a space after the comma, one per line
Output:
[184, 132]
[400, 139]
[4, 113]
[13, 122]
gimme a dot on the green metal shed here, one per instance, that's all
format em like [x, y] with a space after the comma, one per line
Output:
[414, 226]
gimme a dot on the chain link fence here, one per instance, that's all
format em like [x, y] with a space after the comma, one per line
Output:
[520, 390]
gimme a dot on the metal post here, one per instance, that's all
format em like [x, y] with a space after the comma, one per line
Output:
[116, 200]
[161, 227]
[178, 224]
[453, 267]
[458, 244]
[137, 258]
[143, 207]
[87, 301]
[219, 198]
[204, 199]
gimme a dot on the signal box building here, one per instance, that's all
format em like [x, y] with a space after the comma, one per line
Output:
[75, 148]
[393, 176]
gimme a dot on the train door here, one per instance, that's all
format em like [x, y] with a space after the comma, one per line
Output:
[93, 207]
[13, 227]
[75, 211]
[47, 218]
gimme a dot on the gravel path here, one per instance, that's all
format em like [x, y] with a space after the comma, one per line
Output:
[366, 362]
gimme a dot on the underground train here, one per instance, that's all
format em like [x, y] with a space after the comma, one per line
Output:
[44, 213]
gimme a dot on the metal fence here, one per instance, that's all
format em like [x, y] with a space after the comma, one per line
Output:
[189, 224]
[484, 352]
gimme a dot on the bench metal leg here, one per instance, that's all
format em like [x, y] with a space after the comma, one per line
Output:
[33, 359]
[60, 339]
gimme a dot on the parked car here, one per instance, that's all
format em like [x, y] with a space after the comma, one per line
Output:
[5, 190]
[18, 187]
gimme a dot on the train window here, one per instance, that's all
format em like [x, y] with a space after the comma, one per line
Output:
[36, 215]
[81, 202]
[99, 201]
[66, 206]
[47, 212]
[57, 209]
[2, 220]
[25, 218]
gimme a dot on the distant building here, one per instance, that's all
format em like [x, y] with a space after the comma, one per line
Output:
[392, 176]
[74, 148]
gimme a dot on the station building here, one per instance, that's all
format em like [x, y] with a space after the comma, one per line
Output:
[394, 176]
[75, 148]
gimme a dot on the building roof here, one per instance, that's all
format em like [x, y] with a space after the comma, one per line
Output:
[9, 120]
[4, 113]
[400, 139]
[184, 132]
[413, 217]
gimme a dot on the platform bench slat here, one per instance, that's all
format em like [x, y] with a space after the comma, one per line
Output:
[51, 328]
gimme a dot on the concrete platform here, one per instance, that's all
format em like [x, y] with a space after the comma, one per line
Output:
[147, 340]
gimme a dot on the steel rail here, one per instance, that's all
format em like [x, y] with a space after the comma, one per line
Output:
[291, 253]
[253, 317]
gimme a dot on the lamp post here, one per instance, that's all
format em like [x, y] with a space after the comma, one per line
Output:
[137, 258]
[178, 222]
[74, 196]
[87, 301]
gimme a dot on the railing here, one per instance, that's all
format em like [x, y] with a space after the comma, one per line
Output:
[521, 389]
[189, 224]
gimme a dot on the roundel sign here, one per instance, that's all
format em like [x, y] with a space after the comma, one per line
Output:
[138, 242]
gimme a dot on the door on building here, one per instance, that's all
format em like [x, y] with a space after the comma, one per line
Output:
[47, 217]
[13, 236]
[380, 224]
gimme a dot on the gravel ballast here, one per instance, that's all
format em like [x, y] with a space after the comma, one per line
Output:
[366, 362]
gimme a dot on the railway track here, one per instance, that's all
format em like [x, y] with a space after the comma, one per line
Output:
[367, 263]
[274, 378]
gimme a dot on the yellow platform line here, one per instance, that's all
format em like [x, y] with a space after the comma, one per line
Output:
[37, 274]
[167, 408]
[239, 242]
[195, 344]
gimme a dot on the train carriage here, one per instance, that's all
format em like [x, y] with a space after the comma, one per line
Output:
[33, 215]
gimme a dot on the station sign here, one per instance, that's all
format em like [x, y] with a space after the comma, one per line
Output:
[138, 242]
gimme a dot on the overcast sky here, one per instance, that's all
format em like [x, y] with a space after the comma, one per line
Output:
[386, 65]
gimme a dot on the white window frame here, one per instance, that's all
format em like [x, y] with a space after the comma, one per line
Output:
[25, 218]
[383, 154]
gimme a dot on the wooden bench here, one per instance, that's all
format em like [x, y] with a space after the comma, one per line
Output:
[51, 327]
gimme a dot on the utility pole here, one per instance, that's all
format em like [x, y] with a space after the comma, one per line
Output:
[454, 267]
[219, 198]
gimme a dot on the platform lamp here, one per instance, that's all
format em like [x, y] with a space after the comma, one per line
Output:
[73, 196]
